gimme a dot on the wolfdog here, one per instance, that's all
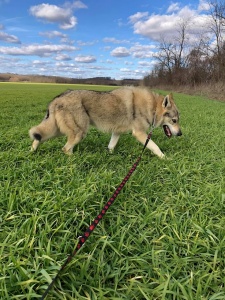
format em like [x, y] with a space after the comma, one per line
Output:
[122, 110]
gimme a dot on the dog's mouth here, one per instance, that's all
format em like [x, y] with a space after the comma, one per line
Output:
[167, 131]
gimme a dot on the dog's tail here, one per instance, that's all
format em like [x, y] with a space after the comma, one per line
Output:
[35, 133]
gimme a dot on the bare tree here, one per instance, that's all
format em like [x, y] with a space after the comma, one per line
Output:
[180, 61]
[217, 28]
[172, 55]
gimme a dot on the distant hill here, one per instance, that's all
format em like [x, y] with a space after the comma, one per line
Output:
[9, 77]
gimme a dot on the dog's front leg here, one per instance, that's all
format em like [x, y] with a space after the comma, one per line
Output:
[142, 137]
[113, 141]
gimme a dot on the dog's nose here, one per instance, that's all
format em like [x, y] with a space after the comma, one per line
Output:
[179, 133]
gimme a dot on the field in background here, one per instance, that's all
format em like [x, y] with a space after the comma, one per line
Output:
[164, 237]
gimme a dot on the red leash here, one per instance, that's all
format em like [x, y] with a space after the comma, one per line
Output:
[91, 228]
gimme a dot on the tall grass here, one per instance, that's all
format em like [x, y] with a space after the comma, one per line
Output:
[163, 238]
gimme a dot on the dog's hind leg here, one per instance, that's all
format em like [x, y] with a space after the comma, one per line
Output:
[74, 129]
[72, 140]
[35, 145]
[142, 137]
[113, 141]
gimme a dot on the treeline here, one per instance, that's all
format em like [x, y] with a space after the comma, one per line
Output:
[192, 58]
[8, 77]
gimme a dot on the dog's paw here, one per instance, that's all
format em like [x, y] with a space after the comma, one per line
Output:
[167, 158]
[111, 151]
[162, 156]
[67, 151]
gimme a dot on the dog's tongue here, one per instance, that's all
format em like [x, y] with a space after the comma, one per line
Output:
[167, 131]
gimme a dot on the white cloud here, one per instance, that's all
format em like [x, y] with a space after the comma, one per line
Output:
[78, 5]
[8, 60]
[138, 16]
[120, 52]
[55, 14]
[137, 51]
[203, 5]
[57, 34]
[173, 7]
[115, 41]
[121, 23]
[157, 26]
[85, 59]
[97, 68]
[142, 51]
[89, 43]
[65, 68]
[126, 70]
[128, 63]
[53, 34]
[63, 57]
[133, 73]
[38, 62]
[9, 38]
[1, 27]
[145, 63]
[37, 50]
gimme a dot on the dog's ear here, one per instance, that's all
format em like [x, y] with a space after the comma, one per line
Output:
[166, 101]
[171, 96]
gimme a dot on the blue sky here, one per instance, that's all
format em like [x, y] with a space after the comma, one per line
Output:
[89, 38]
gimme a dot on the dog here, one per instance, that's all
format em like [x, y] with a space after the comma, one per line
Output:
[122, 110]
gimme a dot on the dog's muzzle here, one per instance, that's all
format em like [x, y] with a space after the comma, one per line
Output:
[167, 131]
[179, 133]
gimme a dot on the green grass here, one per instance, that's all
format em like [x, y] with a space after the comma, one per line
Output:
[163, 238]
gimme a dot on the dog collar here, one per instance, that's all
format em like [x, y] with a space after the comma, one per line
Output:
[154, 120]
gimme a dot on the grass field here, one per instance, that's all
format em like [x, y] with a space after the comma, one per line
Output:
[163, 238]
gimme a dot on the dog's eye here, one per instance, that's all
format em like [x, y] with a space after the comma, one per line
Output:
[174, 121]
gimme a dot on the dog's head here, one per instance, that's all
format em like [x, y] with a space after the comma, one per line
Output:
[169, 117]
